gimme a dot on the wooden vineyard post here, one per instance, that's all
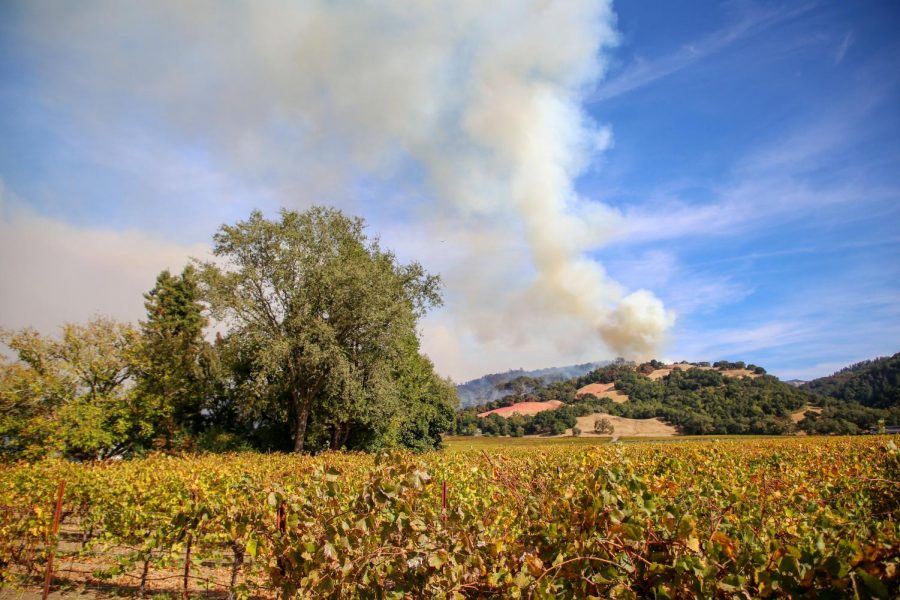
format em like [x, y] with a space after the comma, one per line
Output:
[51, 539]
[281, 522]
[444, 500]
[187, 552]
[236, 563]
[187, 565]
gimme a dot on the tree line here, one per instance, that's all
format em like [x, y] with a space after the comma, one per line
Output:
[315, 347]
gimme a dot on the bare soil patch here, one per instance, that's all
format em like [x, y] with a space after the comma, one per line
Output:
[798, 415]
[523, 408]
[597, 389]
[739, 373]
[623, 427]
[659, 373]
[667, 370]
[616, 396]
[602, 390]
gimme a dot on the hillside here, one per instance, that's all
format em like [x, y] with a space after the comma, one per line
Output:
[874, 383]
[722, 398]
[485, 388]
[693, 398]
[523, 408]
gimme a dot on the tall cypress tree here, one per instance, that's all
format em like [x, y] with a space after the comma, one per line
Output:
[171, 377]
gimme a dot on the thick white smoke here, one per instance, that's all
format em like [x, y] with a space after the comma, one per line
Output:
[478, 103]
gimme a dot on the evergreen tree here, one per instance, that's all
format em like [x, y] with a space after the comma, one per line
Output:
[170, 379]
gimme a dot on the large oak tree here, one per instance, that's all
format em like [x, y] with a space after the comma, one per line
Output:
[326, 319]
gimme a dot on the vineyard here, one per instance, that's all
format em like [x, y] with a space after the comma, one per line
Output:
[799, 517]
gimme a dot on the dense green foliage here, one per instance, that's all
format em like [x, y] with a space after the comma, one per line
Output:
[874, 383]
[794, 518]
[72, 395]
[859, 398]
[704, 401]
[171, 378]
[316, 348]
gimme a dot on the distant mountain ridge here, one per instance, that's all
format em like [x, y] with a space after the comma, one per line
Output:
[874, 383]
[484, 389]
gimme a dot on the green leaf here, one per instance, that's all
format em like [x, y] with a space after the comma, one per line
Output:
[789, 565]
[875, 586]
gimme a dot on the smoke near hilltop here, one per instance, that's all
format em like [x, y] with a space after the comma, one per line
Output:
[466, 115]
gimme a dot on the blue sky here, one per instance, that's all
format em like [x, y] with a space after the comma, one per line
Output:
[788, 132]
[739, 161]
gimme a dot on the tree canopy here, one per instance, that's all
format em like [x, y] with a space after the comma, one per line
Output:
[170, 377]
[325, 320]
[72, 395]
[316, 347]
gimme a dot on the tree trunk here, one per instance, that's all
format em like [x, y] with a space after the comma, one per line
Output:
[302, 416]
[335, 436]
[345, 432]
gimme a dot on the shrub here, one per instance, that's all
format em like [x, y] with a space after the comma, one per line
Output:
[603, 425]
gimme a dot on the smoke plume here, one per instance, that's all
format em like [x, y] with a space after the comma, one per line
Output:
[468, 112]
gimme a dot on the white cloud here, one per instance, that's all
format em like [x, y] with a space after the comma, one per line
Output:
[778, 181]
[842, 48]
[54, 273]
[644, 72]
[686, 290]
[471, 109]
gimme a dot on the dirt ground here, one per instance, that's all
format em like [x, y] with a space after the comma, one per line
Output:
[523, 408]
[664, 372]
[739, 373]
[602, 390]
[616, 396]
[597, 389]
[623, 427]
[798, 415]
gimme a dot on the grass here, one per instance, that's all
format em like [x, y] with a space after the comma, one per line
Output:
[457, 442]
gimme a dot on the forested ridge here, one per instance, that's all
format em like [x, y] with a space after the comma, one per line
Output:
[700, 400]
[873, 383]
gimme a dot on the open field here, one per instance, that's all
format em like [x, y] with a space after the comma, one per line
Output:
[532, 517]
[539, 442]
[623, 427]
